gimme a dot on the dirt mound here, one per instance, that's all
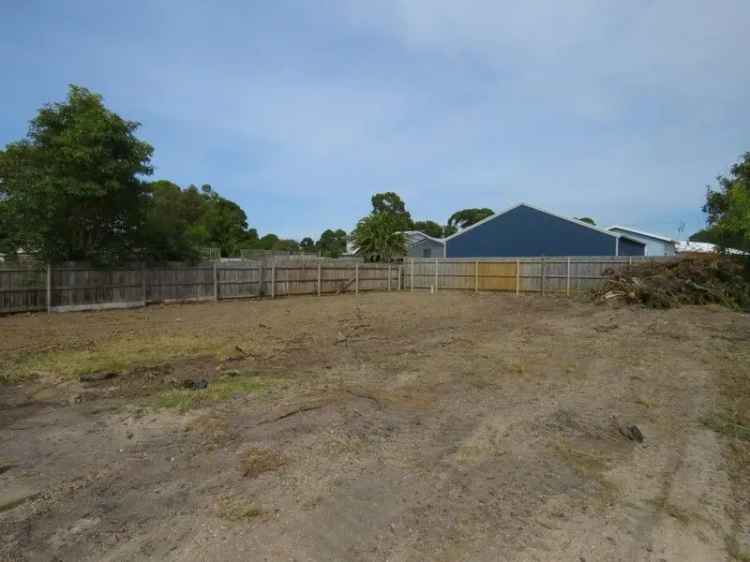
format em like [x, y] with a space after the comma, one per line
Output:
[691, 280]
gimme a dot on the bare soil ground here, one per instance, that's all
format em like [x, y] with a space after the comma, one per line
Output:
[391, 426]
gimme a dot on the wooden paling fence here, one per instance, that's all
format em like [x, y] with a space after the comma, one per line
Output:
[74, 288]
[554, 275]
[71, 288]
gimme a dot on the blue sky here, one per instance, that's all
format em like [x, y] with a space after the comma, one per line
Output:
[299, 111]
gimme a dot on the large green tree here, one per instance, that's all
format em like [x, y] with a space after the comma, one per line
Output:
[172, 230]
[181, 223]
[332, 243]
[467, 217]
[72, 189]
[728, 207]
[391, 204]
[8, 246]
[226, 225]
[307, 244]
[431, 228]
[378, 237]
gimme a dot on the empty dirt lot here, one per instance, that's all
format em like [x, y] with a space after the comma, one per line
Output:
[384, 427]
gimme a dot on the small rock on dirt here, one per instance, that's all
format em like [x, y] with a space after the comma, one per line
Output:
[633, 433]
[630, 431]
[195, 385]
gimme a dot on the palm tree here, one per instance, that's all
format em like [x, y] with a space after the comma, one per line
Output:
[377, 238]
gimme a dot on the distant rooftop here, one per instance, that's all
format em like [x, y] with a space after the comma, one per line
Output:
[642, 233]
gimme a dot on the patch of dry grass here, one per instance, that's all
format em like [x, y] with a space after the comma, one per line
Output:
[732, 419]
[211, 429]
[736, 551]
[645, 402]
[257, 461]
[237, 510]
[589, 466]
[663, 506]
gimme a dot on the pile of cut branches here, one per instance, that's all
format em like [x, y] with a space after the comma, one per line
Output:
[699, 279]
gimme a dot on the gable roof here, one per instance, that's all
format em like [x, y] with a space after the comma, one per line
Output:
[642, 233]
[411, 234]
[514, 207]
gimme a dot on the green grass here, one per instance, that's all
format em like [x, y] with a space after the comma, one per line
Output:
[220, 389]
[114, 355]
[727, 424]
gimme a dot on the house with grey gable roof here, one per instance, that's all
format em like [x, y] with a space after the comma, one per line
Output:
[421, 245]
[656, 245]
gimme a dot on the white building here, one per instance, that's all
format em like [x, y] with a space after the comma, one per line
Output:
[656, 245]
[689, 247]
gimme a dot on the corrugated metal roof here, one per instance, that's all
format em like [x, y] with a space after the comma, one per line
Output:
[642, 233]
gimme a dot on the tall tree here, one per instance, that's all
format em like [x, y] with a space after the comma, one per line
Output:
[172, 229]
[226, 225]
[389, 203]
[728, 207]
[286, 245]
[430, 228]
[8, 246]
[182, 222]
[71, 189]
[267, 242]
[378, 237]
[704, 235]
[332, 243]
[307, 244]
[467, 217]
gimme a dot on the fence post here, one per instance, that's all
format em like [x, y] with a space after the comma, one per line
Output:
[261, 279]
[630, 261]
[144, 272]
[216, 283]
[412, 275]
[437, 270]
[320, 278]
[356, 278]
[49, 287]
[400, 278]
[273, 281]
[567, 281]
[389, 276]
[476, 276]
[518, 277]
[542, 273]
